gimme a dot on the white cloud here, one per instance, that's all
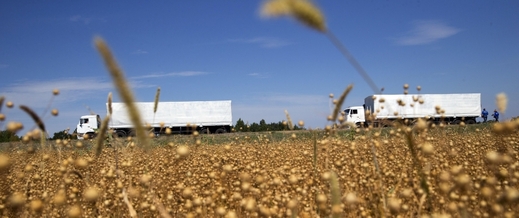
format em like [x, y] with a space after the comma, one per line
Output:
[139, 52]
[425, 32]
[85, 20]
[173, 74]
[259, 75]
[38, 93]
[263, 42]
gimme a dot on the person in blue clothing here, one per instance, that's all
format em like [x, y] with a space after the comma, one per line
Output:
[496, 115]
[484, 114]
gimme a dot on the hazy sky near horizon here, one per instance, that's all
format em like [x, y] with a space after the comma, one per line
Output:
[224, 50]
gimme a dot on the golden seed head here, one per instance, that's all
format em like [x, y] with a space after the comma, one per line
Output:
[2, 117]
[14, 126]
[54, 112]
[301, 123]
[91, 194]
[406, 86]
[302, 10]
[427, 148]
[55, 91]
[351, 198]
[187, 192]
[5, 162]
[220, 210]
[182, 151]
[407, 192]
[275, 9]
[493, 157]
[9, 104]
[227, 168]
[60, 197]
[74, 211]
[321, 198]
[421, 125]
[81, 163]
[145, 179]
[17, 199]
[36, 205]
[292, 204]
[463, 179]
[418, 88]
[394, 205]
[512, 195]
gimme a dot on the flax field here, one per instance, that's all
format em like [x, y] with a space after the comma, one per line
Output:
[443, 171]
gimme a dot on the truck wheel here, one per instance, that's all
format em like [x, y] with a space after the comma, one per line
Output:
[471, 121]
[90, 135]
[220, 131]
[457, 122]
[204, 131]
[132, 133]
[120, 134]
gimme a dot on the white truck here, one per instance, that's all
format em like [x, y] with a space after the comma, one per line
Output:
[180, 117]
[437, 108]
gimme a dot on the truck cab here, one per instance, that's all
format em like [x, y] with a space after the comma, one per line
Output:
[88, 125]
[355, 114]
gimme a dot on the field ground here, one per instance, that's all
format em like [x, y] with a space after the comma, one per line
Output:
[453, 171]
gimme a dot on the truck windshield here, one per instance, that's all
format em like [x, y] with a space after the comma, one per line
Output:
[81, 121]
[347, 111]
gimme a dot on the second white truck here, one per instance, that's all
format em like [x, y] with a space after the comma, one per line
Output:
[180, 117]
[446, 108]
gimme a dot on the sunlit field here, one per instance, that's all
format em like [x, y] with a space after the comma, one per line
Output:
[448, 171]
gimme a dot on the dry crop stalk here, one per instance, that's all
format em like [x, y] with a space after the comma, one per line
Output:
[124, 90]
[102, 135]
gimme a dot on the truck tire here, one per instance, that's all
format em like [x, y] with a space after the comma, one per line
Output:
[120, 134]
[204, 131]
[456, 122]
[470, 121]
[90, 135]
[220, 131]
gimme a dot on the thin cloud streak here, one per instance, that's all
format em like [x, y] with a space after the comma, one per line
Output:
[83, 19]
[259, 75]
[173, 74]
[139, 52]
[425, 32]
[264, 42]
[38, 93]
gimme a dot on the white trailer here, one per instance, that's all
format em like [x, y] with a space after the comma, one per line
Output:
[447, 108]
[180, 117]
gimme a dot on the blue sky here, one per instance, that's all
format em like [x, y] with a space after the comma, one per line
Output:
[224, 50]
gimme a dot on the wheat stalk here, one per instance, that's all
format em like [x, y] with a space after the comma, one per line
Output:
[339, 103]
[123, 88]
[102, 135]
[156, 103]
[110, 110]
[34, 117]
